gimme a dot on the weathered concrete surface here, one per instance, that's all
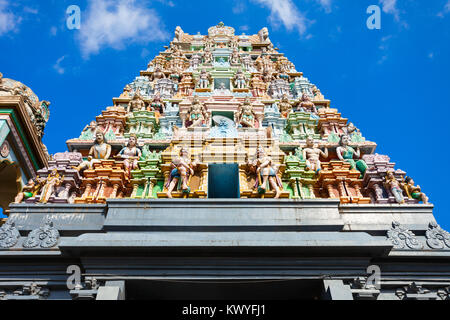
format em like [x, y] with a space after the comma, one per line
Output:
[65, 217]
[251, 242]
[223, 215]
[370, 217]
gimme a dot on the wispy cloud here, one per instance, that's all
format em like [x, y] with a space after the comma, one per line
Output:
[384, 48]
[326, 5]
[445, 10]
[8, 21]
[31, 10]
[115, 23]
[239, 7]
[390, 7]
[285, 12]
[57, 66]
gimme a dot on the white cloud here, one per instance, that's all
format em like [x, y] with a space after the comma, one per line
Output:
[446, 9]
[390, 7]
[57, 65]
[31, 10]
[286, 13]
[238, 7]
[244, 28]
[326, 4]
[115, 23]
[384, 48]
[8, 21]
[53, 31]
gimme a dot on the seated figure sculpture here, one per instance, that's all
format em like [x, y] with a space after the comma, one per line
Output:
[157, 104]
[346, 153]
[306, 105]
[51, 184]
[235, 57]
[393, 185]
[101, 150]
[197, 114]
[136, 104]
[414, 192]
[131, 154]
[245, 116]
[267, 173]
[29, 191]
[285, 106]
[182, 171]
[312, 155]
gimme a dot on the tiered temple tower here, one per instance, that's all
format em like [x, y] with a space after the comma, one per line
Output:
[221, 147]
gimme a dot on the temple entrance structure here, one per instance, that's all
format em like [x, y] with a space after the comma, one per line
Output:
[222, 172]
[223, 181]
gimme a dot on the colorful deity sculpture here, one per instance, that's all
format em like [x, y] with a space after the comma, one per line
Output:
[195, 61]
[204, 79]
[136, 104]
[285, 106]
[235, 57]
[354, 133]
[246, 116]
[267, 173]
[101, 150]
[157, 75]
[240, 82]
[259, 87]
[157, 103]
[346, 153]
[88, 132]
[182, 171]
[50, 185]
[247, 62]
[318, 96]
[29, 191]
[207, 57]
[126, 91]
[391, 183]
[414, 192]
[197, 114]
[312, 155]
[131, 155]
[306, 105]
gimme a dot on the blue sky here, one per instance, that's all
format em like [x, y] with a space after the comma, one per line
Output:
[392, 83]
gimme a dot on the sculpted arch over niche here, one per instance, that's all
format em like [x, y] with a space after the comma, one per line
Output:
[10, 175]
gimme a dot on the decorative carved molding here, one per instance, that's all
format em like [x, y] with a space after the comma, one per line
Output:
[444, 293]
[363, 290]
[44, 237]
[88, 291]
[9, 235]
[413, 291]
[403, 238]
[31, 291]
[437, 238]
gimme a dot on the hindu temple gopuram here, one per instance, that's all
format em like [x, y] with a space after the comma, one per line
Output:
[222, 172]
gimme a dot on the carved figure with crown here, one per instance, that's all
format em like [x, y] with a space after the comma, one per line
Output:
[245, 116]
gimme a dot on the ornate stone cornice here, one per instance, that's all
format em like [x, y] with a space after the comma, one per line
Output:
[403, 238]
